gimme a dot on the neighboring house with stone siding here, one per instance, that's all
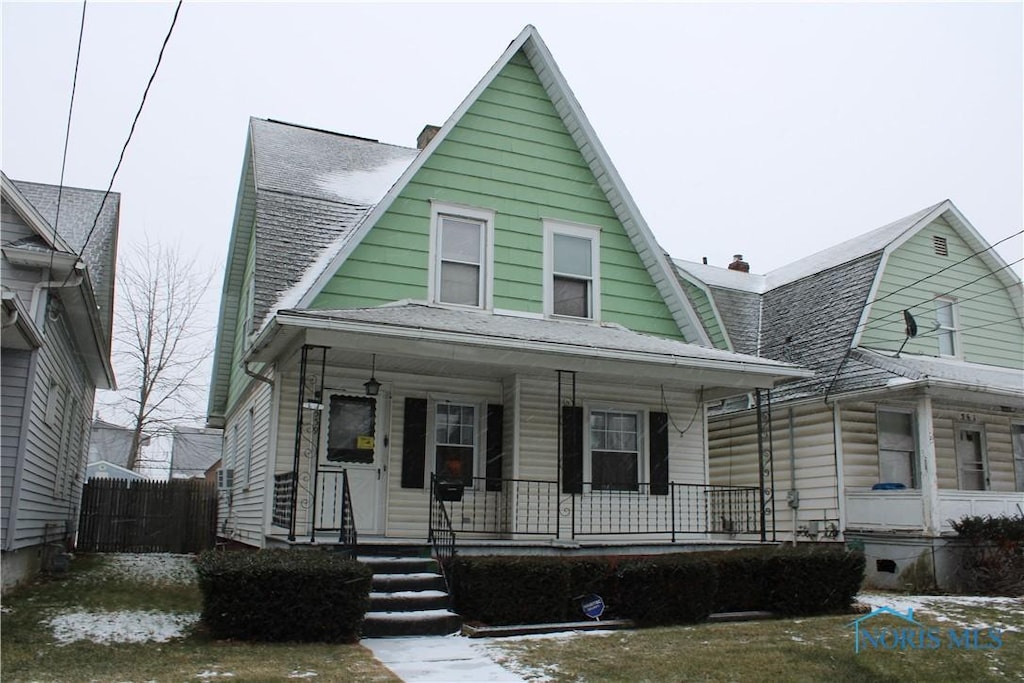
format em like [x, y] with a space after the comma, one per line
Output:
[58, 288]
[895, 435]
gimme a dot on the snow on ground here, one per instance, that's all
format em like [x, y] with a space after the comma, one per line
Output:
[119, 627]
[151, 567]
[951, 608]
[129, 626]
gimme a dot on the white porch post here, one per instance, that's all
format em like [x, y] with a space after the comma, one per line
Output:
[929, 475]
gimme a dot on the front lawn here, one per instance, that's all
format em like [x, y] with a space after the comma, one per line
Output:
[135, 618]
[807, 649]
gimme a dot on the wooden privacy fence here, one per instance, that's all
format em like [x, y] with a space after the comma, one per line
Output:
[147, 516]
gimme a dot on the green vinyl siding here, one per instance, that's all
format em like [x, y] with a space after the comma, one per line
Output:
[510, 153]
[706, 313]
[989, 331]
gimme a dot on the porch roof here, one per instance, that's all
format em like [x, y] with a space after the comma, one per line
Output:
[947, 373]
[515, 340]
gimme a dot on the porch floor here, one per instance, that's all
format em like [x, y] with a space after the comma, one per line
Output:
[380, 545]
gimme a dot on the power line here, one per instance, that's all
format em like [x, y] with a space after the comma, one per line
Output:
[952, 265]
[67, 136]
[131, 132]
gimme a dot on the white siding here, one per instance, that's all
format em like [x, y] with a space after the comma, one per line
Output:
[801, 434]
[241, 513]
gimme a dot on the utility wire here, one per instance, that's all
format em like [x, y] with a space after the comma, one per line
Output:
[952, 265]
[131, 132]
[67, 135]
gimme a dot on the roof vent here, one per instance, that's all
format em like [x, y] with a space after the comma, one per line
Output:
[739, 264]
[426, 135]
[941, 248]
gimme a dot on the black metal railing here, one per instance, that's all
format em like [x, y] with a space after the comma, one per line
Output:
[349, 537]
[440, 534]
[513, 507]
[284, 484]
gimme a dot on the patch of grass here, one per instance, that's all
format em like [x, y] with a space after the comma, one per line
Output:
[31, 654]
[808, 649]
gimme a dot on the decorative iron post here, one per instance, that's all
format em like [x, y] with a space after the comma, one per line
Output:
[307, 424]
[766, 471]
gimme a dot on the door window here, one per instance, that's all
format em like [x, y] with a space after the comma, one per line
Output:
[350, 429]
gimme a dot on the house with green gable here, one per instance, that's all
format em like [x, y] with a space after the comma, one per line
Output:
[476, 341]
[914, 417]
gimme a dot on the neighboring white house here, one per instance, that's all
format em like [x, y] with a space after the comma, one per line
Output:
[58, 284]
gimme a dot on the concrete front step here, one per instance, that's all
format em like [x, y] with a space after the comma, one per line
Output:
[399, 565]
[435, 622]
[408, 601]
[415, 581]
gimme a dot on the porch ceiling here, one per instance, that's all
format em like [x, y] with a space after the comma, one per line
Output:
[433, 341]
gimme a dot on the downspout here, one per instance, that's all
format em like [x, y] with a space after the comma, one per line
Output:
[794, 496]
[74, 281]
[256, 376]
[12, 319]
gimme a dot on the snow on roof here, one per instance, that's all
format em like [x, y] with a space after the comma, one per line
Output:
[851, 249]
[969, 375]
[606, 336]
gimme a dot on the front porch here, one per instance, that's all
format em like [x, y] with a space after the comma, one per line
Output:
[906, 510]
[524, 512]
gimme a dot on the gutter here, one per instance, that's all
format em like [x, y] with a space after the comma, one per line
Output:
[778, 370]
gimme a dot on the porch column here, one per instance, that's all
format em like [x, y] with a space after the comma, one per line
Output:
[928, 469]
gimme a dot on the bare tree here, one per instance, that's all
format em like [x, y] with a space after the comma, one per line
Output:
[161, 342]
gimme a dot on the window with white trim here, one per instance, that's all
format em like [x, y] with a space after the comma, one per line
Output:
[571, 270]
[461, 255]
[456, 441]
[615, 450]
[946, 326]
[897, 447]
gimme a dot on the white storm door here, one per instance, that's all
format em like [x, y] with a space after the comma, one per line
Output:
[351, 445]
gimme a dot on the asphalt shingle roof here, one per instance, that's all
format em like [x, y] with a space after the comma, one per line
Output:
[313, 188]
[78, 208]
[509, 327]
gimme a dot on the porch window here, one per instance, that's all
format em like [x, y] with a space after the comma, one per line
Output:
[461, 249]
[614, 450]
[897, 448]
[971, 458]
[571, 263]
[455, 441]
[945, 321]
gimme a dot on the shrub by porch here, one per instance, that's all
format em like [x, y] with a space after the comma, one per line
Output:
[678, 588]
[283, 595]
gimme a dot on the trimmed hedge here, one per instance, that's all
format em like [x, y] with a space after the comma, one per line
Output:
[677, 588]
[283, 595]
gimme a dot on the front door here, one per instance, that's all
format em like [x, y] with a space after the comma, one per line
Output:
[351, 445]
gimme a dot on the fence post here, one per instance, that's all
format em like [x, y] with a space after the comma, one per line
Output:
[672, 507]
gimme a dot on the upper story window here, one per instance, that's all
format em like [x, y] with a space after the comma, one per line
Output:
[572, 270]
[461, 255]
[946, 324]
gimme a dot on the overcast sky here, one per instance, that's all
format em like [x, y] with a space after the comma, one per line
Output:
[768, 130]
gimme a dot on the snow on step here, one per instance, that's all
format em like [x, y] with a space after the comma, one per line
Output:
[420, 615]
[408, 594]
[411, 575]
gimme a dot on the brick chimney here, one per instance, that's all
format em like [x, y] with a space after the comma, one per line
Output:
[739, 264]
[426, 135]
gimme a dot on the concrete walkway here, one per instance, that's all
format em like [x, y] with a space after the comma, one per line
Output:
[442, 659]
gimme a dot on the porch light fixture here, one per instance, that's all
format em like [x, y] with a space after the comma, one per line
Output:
[372, 385]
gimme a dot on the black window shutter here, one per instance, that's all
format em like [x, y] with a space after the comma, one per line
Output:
[659, 453]
[414, 443]
[495, 428]
[572, 449]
